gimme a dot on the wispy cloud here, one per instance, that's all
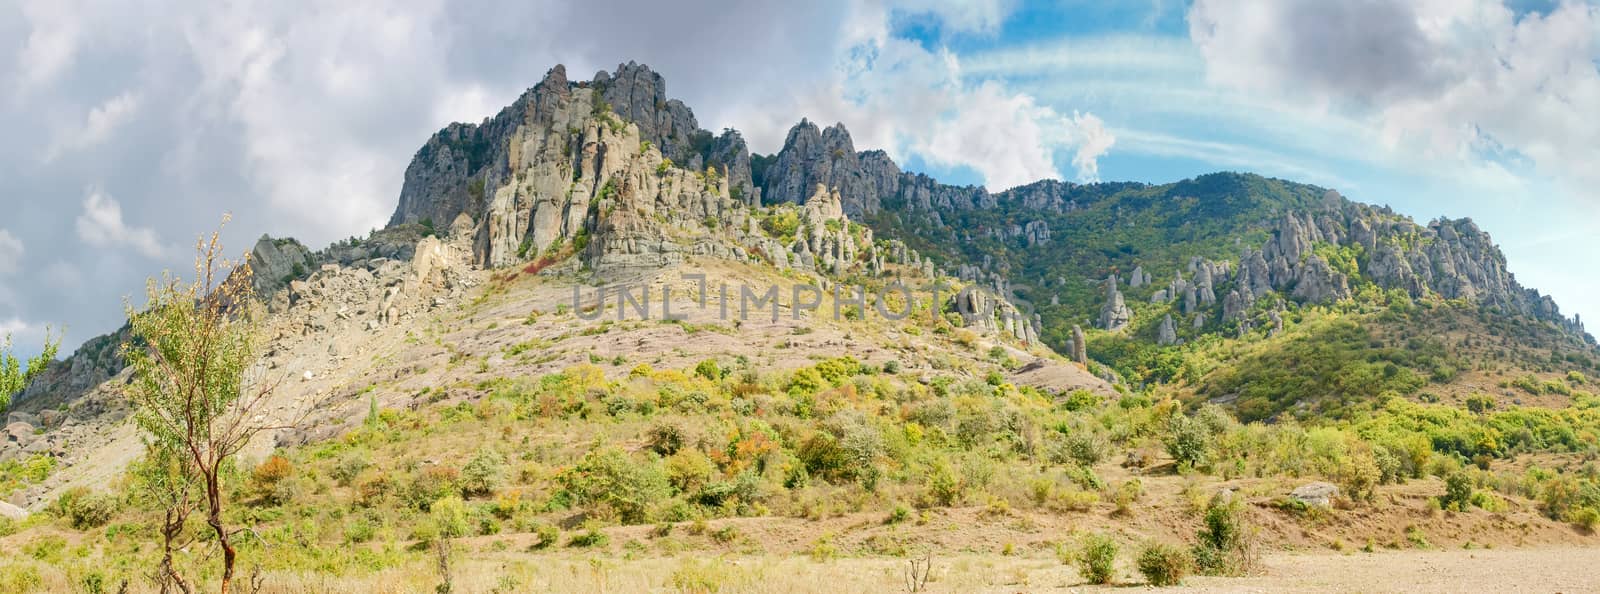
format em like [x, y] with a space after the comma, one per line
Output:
[100, 224]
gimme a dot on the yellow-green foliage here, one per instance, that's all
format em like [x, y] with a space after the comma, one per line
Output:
[665, 446]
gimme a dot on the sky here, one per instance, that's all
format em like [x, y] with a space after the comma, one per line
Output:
[132, 126]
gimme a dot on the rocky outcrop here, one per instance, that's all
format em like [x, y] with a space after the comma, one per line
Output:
[812, 157]
[639, 95]
[1167, 334]
[1115, 314]
[1080, 347]
[275, 262]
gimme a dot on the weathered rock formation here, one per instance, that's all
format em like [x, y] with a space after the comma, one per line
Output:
[1115, 314]
[1167, 334]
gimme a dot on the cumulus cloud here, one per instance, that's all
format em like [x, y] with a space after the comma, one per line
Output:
[912, 101]
[100, 224]
[10, 253]
[1469, 80]
[1094, 141]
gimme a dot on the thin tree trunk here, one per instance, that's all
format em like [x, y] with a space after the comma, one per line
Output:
[171, 528]
[214, 518]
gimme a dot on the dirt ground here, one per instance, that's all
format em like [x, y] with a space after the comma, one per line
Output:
[1523, 570]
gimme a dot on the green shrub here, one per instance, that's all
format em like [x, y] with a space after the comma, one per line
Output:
[708, 369]
[349, 467]
[484, 474]
[547, 535]
[17, 577]
[1097, 559]
[360, 530]
[899, 514]
[690, 470]
[448, 517]
[1163, 565]
[590, 538]
[1080, 399]
[609, 478]
[1226, 543]
[1457, 492]
[1480, 403]
[84, 509]
[431, 484]
[1188, 441]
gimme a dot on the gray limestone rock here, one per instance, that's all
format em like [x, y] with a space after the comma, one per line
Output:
[1115, 314]
[1167, 334]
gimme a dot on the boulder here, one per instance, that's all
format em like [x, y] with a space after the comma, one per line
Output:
[20, 433]
[12, 512]
[1317, 494]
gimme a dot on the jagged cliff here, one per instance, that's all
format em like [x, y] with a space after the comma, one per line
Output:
[612, 175]
[1453, 259]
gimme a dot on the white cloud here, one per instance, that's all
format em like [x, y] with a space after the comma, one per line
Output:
[1093, 140]
[10, 253]
[98, 125]
[1450, 80]
[52, 43]
[100, 224]
[897, 95]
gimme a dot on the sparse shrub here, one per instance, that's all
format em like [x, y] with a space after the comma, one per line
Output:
[18, 577]
[1082, 447]
[665, 438]
[84, 509]
[899, 514]
[546, 535]
[371, 489]
[1163, 565]
[1127, 494]
[432, 484]
[275, 468]
[590, 538]
[484, 474]
[1096, 559]
[348, 468]
[1226, 543]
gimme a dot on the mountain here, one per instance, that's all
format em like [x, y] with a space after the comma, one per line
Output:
[592, 327]
[554, 197]
[1158, 271]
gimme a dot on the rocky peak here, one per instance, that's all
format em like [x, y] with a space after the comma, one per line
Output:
[639, 95]
[275, 262]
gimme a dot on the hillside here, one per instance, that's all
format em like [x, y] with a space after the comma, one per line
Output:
[560, 352]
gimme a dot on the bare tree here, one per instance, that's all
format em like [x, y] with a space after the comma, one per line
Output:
[190, 348]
